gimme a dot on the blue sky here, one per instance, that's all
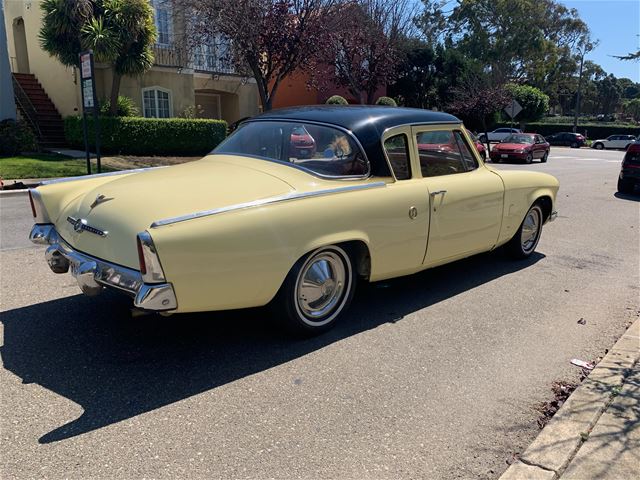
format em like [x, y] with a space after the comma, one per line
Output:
[616, 24]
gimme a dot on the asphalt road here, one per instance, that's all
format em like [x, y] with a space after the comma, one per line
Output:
[435, 375]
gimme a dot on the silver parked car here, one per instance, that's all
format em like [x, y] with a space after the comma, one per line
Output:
[499, 134]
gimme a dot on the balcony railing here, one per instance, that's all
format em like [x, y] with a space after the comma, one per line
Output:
[177, 57]
[169, 56]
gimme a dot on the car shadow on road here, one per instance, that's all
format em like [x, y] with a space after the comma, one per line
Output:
[91, 351]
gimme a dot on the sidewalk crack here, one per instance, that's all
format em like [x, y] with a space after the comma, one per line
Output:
[534, 464]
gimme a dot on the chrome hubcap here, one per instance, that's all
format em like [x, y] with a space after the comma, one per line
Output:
[530, 230]
[320, 286]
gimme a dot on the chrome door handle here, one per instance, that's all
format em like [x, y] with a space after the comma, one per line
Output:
[437, 192]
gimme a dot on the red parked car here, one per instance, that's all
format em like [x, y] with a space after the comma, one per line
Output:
[521, 146]
[482, 150]
[302, 143]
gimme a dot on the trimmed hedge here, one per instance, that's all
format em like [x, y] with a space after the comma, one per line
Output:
[149, 136]
[594, 131]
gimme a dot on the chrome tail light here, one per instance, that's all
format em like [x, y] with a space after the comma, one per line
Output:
[150, 266]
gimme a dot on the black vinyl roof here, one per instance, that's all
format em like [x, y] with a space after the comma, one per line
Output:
[366, 122]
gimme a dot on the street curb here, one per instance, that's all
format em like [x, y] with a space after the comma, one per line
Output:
[554, 448]
[14, 193]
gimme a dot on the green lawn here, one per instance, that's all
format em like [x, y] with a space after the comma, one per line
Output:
[44, 166]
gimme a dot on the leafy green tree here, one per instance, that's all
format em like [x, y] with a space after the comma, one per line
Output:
[476, 103]
[120, 33]
[516, 39]
[427, 76]
[629, 88]
[534, 103]
[609, 94]
[632, 107]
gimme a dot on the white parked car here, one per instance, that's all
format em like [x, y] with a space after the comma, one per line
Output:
[614, 141]
[499, 134]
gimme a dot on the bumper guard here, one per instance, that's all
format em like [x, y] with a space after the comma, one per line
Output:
[93, 274]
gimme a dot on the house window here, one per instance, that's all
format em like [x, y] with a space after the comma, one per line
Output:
[156, 102]
[162, 17]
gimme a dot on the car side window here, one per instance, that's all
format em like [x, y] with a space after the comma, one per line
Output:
[397, 150]
[470, 161]
[439, 153]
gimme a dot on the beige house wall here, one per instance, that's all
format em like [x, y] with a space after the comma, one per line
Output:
[60, 82]
[238, 95]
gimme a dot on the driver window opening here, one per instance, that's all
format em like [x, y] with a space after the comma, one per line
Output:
[439, 153]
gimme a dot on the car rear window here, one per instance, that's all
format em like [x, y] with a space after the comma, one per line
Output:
[321, 149]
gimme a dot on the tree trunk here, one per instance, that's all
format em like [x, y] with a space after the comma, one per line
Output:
[115, 90]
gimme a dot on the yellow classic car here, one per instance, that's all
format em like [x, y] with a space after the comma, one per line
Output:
[291, 210]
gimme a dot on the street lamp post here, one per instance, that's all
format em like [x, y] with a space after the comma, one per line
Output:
[7, 101]
[586, 48]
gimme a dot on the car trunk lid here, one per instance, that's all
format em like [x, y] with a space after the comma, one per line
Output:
[127, 205]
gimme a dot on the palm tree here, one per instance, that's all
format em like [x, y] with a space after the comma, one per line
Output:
[120, 33]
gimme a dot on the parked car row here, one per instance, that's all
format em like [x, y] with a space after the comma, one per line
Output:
[565, 139]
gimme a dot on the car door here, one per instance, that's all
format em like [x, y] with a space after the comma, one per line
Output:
[465, 197]
[539, 147]
[400, 250]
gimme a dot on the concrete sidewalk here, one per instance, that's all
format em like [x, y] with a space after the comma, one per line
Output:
[596, 433]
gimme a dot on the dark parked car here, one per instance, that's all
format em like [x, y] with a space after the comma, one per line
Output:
[567, 139]
[521, 146]
[630, 172]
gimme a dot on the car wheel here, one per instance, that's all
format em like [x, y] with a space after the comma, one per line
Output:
[545, 157]
[525, 241]
[598, 146]
[317, 290]
[529, 158]
[625, 187]
[575, 145]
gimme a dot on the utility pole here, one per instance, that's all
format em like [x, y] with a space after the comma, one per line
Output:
[7, 100]
[586, 48]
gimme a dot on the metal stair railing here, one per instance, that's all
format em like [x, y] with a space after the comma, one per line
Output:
[26, 107]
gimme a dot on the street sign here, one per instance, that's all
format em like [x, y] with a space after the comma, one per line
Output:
[89, 104]
[513, 109]
[85, 65]
[87, 93]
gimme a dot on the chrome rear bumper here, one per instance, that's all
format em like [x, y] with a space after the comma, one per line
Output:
[93, 274]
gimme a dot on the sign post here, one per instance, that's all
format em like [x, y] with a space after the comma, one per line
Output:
[513, 109]
[89, 105]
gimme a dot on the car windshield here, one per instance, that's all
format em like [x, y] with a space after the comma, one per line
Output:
[518, 139]
[323, 150]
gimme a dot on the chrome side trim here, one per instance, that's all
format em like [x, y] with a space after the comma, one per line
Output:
[266, 201]
[96, 175]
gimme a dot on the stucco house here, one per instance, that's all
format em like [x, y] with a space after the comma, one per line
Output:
[178, 80]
